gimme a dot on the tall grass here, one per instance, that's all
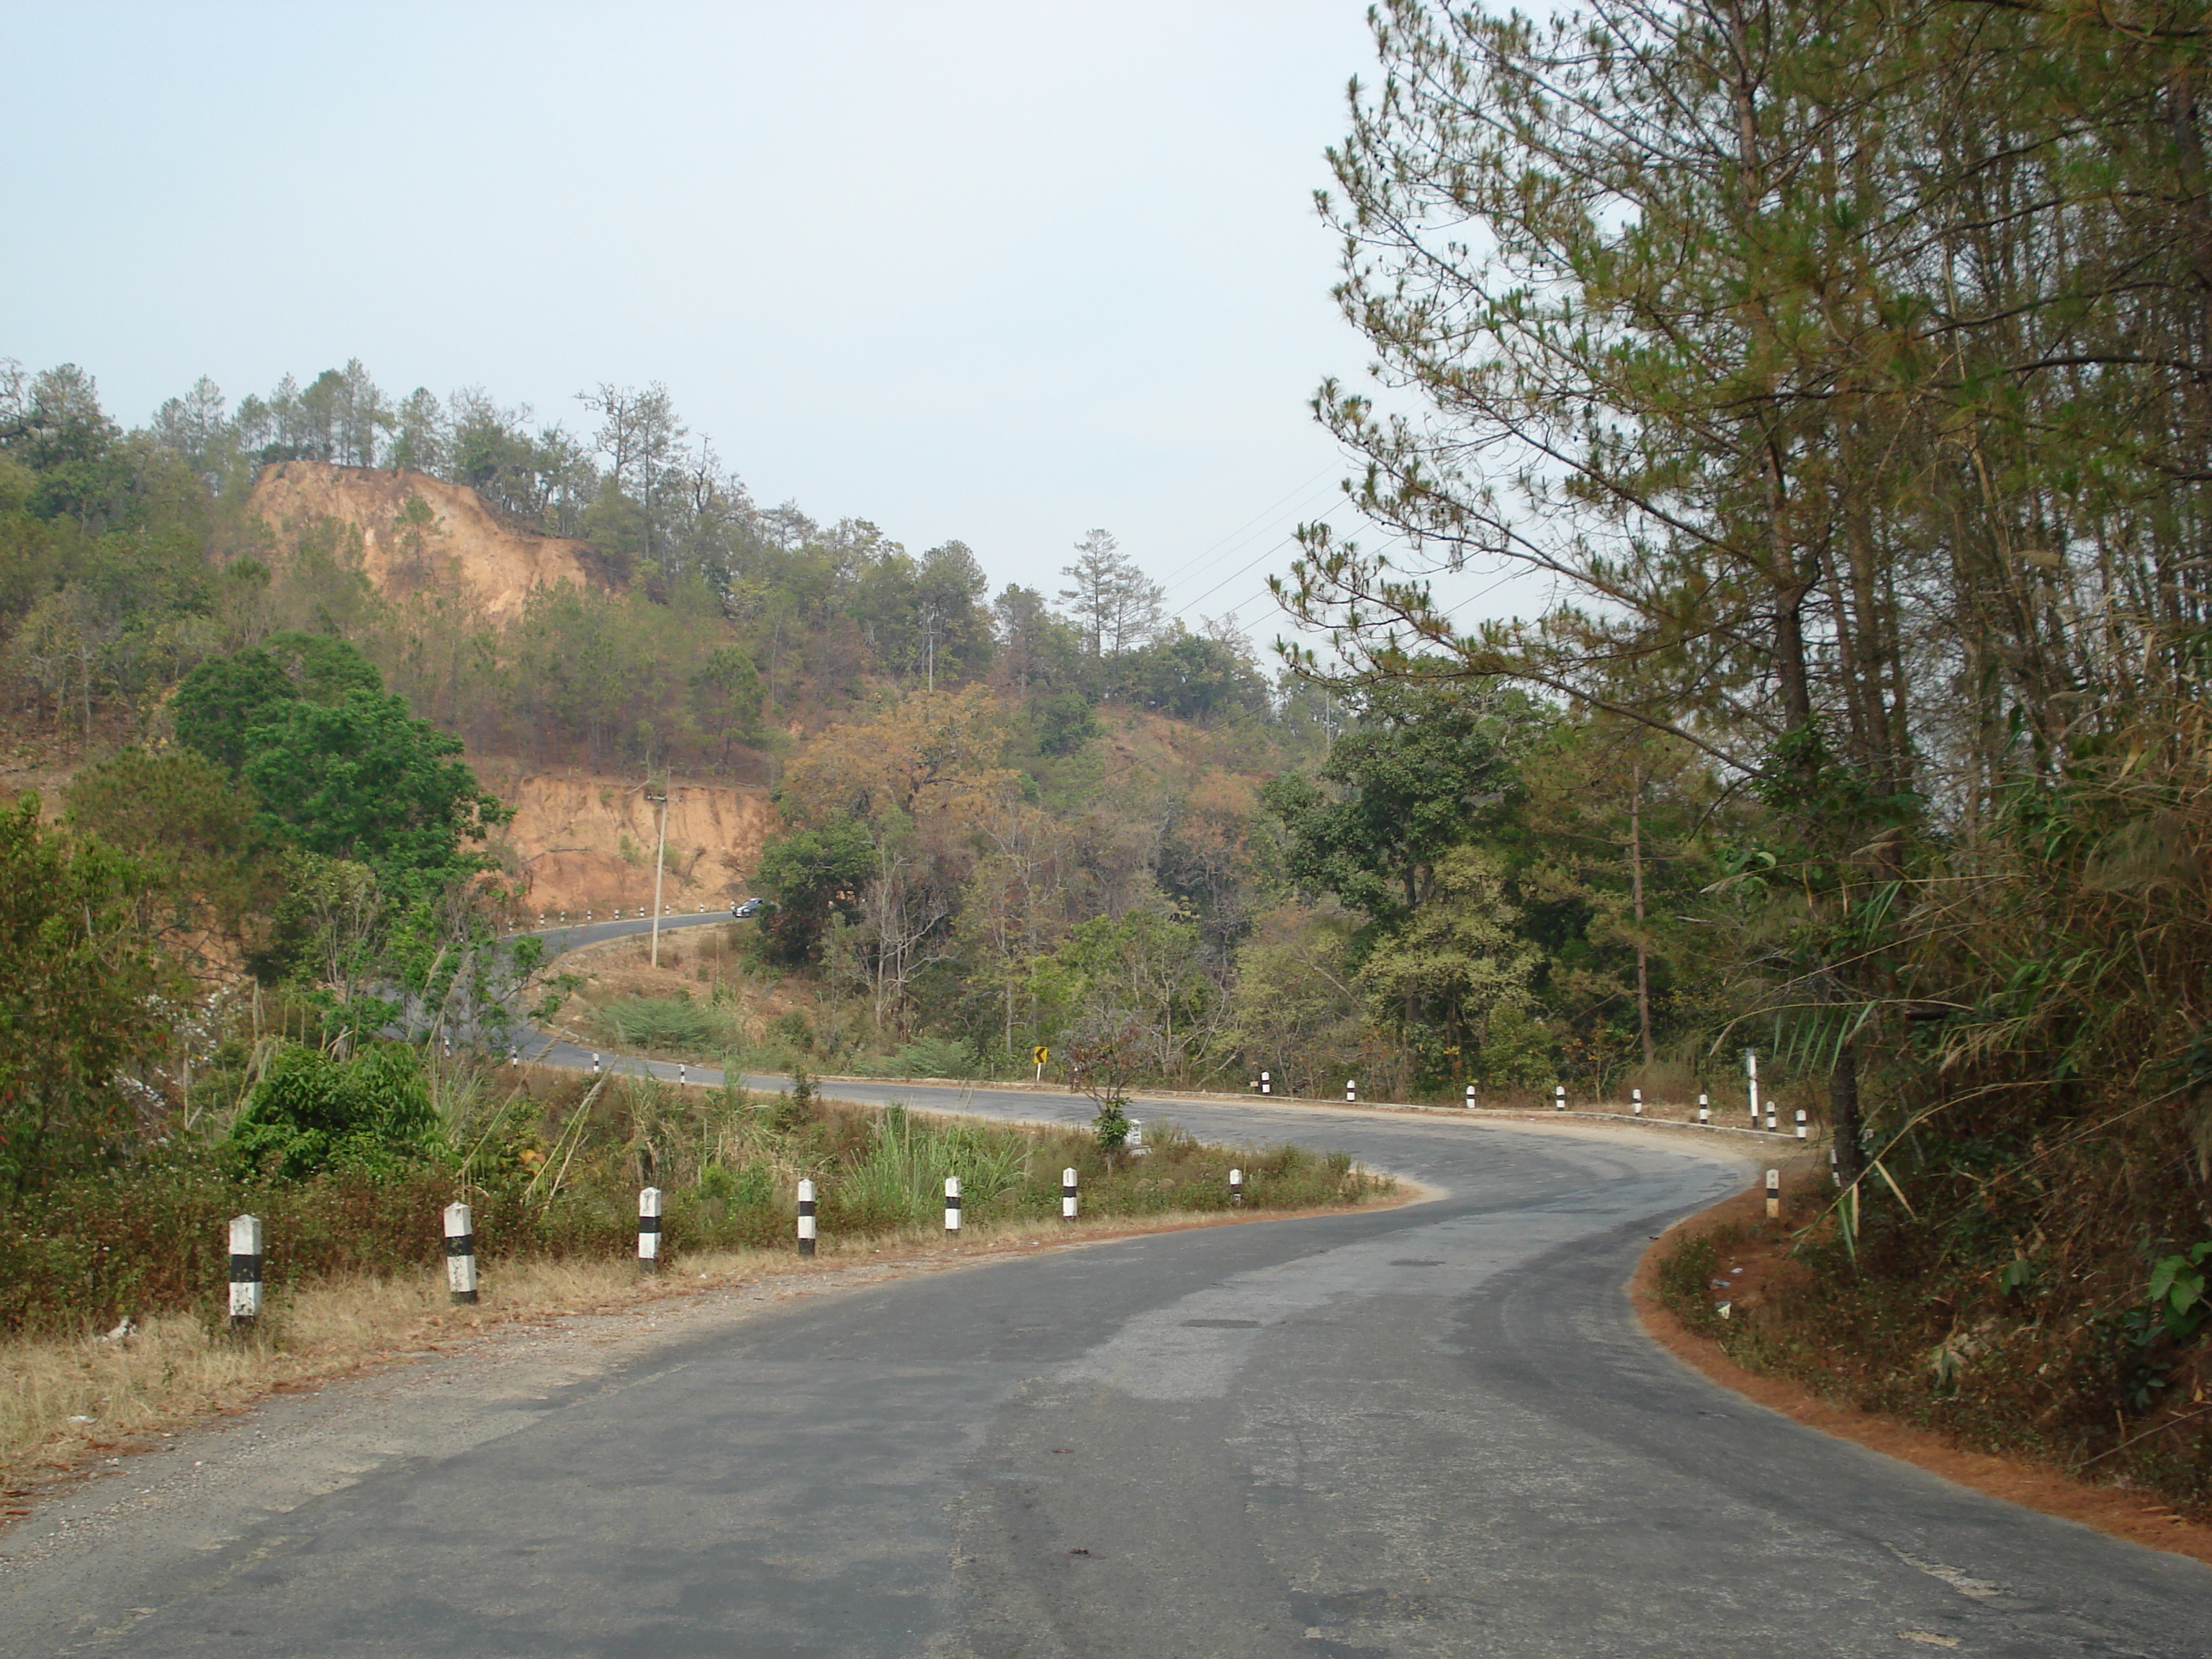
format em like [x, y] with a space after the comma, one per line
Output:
[552, 1167]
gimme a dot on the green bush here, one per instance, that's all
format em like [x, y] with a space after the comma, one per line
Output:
[925, 1057]
[676, 1024]
[312, 1112]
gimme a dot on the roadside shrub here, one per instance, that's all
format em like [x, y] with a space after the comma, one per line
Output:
[673, 1024]
[311, 1112]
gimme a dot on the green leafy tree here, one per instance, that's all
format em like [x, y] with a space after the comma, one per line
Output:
[186, 822]
[1426, 768]
[363, 780]
[1064, 722]
[81, 1010]
[813, 875]
[1441, 978]
[223, 699]
[726, 695]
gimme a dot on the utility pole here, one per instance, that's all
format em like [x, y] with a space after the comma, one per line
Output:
[659, 868]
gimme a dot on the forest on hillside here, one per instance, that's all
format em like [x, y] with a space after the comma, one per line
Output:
[1063, 820]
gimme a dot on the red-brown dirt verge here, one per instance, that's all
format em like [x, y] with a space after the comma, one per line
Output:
[1762, 1256]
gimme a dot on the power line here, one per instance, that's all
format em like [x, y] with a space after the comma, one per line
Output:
[1306, 490]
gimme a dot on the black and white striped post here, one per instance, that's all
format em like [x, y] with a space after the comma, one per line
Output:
[806, 1217]
[595, 1065]
[1267, 1083]
[513, 1058]
[1800, 1123]
[1067, 1195]
[1772, 1127]
[1773, 1194]
[1237, 1186]
[682, 1074]
[1470, 1097]
[1705, 1109]
[1635, 1101]
[245, 1271]
[1352, 1092]
[460, 1253]
[1558, 1097]
[951, 1205]
[649, 1230]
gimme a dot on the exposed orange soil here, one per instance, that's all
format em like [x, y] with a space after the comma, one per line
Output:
[470, 550]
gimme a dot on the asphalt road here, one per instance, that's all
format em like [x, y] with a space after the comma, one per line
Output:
[1428, 1430]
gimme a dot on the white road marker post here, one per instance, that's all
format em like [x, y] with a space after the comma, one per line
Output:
[1800, 1123]
[951, 1205]
[1635, 1101]
[595, 1065]
[1067, 1195]
[460, 1253]
[1237, 1186]
[806, 1217]
[1352, 1092]
[1267, 1083]
[683, 1073]
[1750, 1078]
[245, 1271]
[649, 1230]
[1470, 1097]
[1558, 1097]
[1773, 1194]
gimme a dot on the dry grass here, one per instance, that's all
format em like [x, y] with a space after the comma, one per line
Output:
[66, 1403]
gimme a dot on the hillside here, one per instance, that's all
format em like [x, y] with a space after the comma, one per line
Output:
[585, 841]
[470, 550]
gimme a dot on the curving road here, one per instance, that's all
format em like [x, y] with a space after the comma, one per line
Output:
[1426, 1430]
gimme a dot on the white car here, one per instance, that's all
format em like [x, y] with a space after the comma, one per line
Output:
[749, 907]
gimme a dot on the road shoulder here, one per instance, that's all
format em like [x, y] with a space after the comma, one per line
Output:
[2119, 1513]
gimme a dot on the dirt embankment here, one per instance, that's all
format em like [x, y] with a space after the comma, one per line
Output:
[1756, 1256]
[469, 549]
[583, 840]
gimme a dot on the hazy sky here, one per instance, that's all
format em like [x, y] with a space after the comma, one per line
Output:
[998, 272]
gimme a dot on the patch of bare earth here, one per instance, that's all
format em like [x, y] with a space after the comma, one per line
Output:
[1760, 1257]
